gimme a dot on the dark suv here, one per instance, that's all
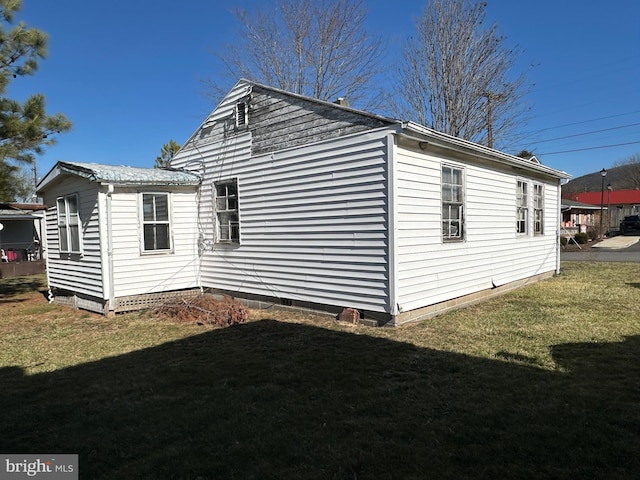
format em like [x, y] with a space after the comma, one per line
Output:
[630, 223]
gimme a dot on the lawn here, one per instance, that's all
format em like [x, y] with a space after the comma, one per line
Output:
[540, 383]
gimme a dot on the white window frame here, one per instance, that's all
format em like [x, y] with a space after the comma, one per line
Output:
[522, 207]
[453, 197]
[538, 209]
[154, 221]
[69, 224]
[227, 209]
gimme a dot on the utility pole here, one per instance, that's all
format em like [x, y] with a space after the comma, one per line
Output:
[603, 173]
[489, 123]
[34, 197]
[490, 97]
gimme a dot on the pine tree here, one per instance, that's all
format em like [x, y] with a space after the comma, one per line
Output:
[166, 154]
[25, 128]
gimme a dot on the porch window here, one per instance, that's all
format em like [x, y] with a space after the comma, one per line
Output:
[452, 203]
[538, 209]
[69, 224]
[156, 226]
[522, 211]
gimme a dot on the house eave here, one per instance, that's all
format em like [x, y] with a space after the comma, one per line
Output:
[442, 140]
[20, 216]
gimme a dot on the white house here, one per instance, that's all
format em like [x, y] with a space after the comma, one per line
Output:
[313, 204]
[117, 234]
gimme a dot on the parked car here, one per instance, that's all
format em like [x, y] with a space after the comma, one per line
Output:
[630, 223]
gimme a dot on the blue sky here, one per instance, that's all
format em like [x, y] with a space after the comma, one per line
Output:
[129, 74]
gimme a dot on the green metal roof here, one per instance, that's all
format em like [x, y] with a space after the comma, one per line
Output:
[129, 175]
[121, 175]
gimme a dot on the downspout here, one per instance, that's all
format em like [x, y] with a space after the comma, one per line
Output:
[110, 284]
[44, 253]
[392, 229]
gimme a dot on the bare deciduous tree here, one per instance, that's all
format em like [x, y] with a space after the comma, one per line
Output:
[318, 48]
[632, 172]
[454, 75]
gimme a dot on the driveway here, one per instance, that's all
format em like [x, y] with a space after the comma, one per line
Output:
[616, 249]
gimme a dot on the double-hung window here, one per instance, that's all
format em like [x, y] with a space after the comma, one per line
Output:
[156, 225]
[227, 215]
[522, 210]
[452, 203]
[538, 209]
[69, 224]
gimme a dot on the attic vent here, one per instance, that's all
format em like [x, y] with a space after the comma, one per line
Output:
[342, 101]
[241, 114]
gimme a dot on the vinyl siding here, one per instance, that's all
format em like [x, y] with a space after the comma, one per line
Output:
[219, 128]
[312, 221]
[314, 196]
[137, 272]
[430, 270]
[77, 273]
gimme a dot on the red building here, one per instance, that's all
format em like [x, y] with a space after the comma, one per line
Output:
[616, 204]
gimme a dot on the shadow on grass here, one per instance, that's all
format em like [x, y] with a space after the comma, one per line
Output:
[10, 287]
[271, 400]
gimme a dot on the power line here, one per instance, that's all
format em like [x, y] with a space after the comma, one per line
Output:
[584, 121]
[590, 148]
[626, 64]
[589, 133]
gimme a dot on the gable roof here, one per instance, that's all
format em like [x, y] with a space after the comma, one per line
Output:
[120, 175]
[244, 89]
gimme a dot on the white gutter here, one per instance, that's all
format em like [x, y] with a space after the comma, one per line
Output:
[443, 140]
[111, 283]
[392, 229]
[44, 252]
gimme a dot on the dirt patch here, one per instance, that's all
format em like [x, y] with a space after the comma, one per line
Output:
[585, 247]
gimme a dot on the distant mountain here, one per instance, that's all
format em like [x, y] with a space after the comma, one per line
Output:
[625, 177]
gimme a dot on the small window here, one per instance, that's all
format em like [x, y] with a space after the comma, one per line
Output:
[452, 203]
[242, 115]
[156, 228]
[69, 224]
[227, 214]
[538, 209]
[522, 212]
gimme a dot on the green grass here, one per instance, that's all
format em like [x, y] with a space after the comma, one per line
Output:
[540, 383]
